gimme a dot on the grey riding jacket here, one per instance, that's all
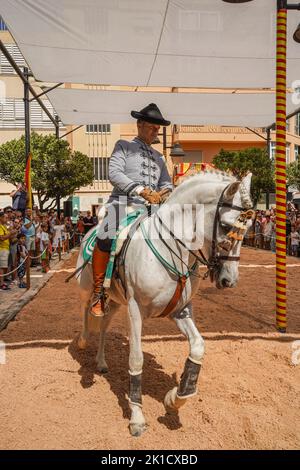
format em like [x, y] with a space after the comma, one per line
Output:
[132, 166]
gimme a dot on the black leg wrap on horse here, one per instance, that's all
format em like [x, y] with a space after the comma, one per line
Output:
[135, 392]
[189, 378]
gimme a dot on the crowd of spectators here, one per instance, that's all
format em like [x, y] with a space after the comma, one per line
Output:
[262, 233]
[39, 235]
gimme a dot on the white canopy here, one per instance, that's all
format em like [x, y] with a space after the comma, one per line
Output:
[179, 43]
[77, 106]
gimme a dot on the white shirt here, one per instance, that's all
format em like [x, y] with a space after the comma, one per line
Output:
[58, 229]
[44, 240]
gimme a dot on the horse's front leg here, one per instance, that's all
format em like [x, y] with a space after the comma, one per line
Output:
[137, 424]
[177, 397]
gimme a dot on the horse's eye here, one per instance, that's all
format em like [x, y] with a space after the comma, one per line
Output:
[226, 227]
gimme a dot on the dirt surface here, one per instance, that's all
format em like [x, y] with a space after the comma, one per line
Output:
[249, 391]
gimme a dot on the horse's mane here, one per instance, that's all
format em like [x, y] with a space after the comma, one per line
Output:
[204, 177]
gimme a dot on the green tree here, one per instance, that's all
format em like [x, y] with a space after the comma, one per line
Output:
[293, 174]
[56, 170]
[254, 160]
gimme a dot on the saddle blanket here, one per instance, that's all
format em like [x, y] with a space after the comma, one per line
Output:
[117, 243]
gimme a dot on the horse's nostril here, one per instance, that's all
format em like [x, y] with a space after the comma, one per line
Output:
[225, 283]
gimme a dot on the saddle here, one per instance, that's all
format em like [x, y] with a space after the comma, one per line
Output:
[120, 244]
[127, 228]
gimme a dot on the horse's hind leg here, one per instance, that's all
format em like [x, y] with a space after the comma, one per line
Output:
[176, 397]
[104, 323]
[85, 307]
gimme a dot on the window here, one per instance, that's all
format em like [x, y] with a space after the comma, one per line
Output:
[193, 156]
[12, 114]
[5, 67]
[3, 26]
[297, 124]
[287, 125]
[98, 129]
[297, 150]
[288, 151]
[100, 168]
[273, 150]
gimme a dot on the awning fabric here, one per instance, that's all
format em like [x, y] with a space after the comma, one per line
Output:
[178, 43]
[76, 106]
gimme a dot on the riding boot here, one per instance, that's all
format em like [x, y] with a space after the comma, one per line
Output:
[99, 263]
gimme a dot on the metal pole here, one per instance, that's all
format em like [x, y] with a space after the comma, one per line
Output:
[70, 132]
[281, 318]
[27, 113]
[57, 195]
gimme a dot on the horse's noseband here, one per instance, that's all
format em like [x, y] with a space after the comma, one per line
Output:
[236, 233]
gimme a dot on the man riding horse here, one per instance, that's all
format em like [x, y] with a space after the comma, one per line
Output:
[138, 174]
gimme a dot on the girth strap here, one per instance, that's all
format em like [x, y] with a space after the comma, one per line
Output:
[181, 282]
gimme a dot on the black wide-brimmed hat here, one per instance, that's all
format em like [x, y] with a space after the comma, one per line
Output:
[151, 114]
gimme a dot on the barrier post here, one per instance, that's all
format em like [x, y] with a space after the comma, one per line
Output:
[28, 262]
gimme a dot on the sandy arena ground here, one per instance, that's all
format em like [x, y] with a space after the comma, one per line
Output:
[249, 391]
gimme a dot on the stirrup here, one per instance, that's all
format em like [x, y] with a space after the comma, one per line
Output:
[100, 300]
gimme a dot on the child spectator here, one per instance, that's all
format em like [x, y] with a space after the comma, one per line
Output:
[295, 237]
[80, 228]
[58, 234]
[44, 247]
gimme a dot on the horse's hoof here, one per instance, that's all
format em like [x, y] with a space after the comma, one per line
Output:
[171, 411]
[81, 343]
[136, 430]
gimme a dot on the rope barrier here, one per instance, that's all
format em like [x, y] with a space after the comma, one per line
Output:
[41, 254]
[11, 272]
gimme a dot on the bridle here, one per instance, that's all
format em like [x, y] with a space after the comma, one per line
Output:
[213, 263]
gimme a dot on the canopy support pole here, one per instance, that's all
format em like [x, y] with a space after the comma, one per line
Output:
[280, 163]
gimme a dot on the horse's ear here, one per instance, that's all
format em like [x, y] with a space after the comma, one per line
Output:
[231, 190]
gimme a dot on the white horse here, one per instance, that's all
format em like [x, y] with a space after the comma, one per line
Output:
[150, 284]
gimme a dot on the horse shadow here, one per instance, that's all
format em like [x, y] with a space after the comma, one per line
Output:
[155, 382]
